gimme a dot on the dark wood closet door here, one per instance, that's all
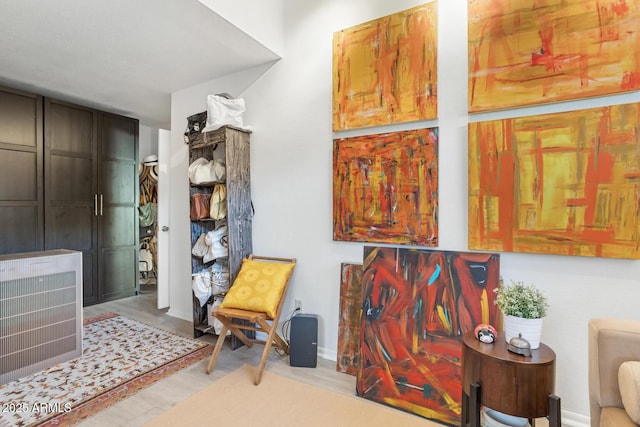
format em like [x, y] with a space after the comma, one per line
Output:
[21, 191]
[71, 203]
[118, 204]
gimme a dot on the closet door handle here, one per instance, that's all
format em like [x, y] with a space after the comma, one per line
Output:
[101, 200]
[95, 204]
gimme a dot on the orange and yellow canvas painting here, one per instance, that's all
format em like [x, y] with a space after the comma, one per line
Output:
[564, 183]
[525, 53]
[349, 323]
[385, 70]
[385, 188]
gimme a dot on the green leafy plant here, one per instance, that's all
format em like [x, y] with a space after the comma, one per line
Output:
[521, 300]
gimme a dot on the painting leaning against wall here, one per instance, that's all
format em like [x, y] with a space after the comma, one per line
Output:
[385, 188]
[385, 70]
[564, 183]
[417, 304]
[525, 53]
[349, 324]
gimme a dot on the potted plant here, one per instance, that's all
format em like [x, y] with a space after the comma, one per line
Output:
[523, 308]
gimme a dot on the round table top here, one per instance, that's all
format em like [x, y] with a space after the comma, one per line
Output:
[500, 350]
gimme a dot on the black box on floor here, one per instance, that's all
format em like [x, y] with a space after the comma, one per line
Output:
[303, 341]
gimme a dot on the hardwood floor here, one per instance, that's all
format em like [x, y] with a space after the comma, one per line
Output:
[155, 399]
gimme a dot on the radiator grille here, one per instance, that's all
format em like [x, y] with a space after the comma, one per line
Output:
[40, 312]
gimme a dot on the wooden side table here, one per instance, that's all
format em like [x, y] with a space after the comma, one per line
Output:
[507, 382]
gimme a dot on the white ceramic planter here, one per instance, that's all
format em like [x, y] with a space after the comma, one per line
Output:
[531, 329]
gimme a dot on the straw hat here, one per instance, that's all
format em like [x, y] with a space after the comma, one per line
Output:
[150, 160]
[153, 172]
[143, 173]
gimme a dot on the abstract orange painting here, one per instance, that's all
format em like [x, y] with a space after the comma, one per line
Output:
[565, 183]
[385, 71]
[349, 323]
[385, 188]
[525, 53]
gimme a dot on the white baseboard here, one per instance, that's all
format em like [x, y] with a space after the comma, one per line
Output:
[188, 316]
[573, 419]
[328, 354]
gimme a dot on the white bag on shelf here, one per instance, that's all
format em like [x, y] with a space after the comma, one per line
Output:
[220, 277]
[203, 171]
[201, 285]
[212, 320]
[217, 242]
[223, 111]
[200, 248]
[194, 166]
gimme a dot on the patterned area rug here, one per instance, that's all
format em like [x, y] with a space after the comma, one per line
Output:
[120, 357]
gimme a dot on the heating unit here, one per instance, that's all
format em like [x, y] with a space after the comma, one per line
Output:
[40, 311]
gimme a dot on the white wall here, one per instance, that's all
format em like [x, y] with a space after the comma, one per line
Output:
[147, 141]
[262, 20]
[290, 110]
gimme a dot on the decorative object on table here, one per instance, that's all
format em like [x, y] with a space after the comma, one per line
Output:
[523, 308]
[385, 188]
[486, 333]
[385, 71]
[525, 196]
[417, 305]
[519, 345]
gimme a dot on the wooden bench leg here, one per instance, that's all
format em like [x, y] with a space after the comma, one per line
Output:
[267, 346]
[217, 349]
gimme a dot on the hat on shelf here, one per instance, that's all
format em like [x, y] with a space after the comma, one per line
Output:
[151, 159]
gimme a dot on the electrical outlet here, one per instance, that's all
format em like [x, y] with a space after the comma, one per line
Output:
[298, 304]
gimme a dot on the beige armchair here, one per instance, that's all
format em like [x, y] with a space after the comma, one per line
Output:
[611, 342]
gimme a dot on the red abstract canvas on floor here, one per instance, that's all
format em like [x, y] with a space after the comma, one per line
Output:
[417, 304]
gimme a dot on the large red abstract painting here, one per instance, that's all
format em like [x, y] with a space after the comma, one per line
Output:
[417, 304]
[564, 183]
[385, 188]
[385, 71]
[533, 52]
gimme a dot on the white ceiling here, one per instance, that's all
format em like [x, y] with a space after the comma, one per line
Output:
[124, 56]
